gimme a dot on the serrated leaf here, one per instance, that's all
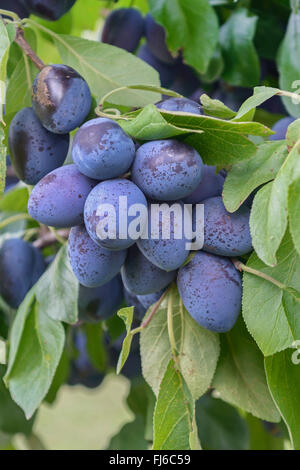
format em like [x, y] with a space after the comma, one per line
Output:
[126, 314]
[36, 345]
[294, 213]
[284, 382]
[236, 39]
[106, 68]
[240, 377]
[191, 25]
[198, 348]
[57, 290]
[260, 95]
[174, 413]
[244, 177]
[272, 315]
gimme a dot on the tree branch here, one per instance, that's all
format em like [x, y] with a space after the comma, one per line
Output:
[49, 238]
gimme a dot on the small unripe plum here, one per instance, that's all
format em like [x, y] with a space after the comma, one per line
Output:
[21, 265]
[50, 10]
[167, 170]
[211, 290]
[58, 199]
[96, 215]
[184, 105]
[102, 150]
[61, 98]
[34, 150]
[211, 185]
[156, 40]
[123, 28]
[166, 71]
[281, 127]
[98, 303]
[141, 277]
[92, 265]
[225, 233]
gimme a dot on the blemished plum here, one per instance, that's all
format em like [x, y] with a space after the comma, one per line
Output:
[156, 40]
[102, 150]
[150, 299]
[15, 6]
[225, 233]
[165, 71]
[141, 277]
[104, 226]
[50, 10]
[168, 250]
[58, 199]
[167, 170]
[21, 265]
[92, 265]
[184, 105]
[211, 185]
[281, 127]
[98, 303]
[131, 300]
[211, 290]
[123, 28]
[61, 98]
[34, 150]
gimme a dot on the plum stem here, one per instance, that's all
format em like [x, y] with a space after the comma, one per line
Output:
[14, 218]
[151, 315]
[49, 238]
[21, 41]
[10, 14]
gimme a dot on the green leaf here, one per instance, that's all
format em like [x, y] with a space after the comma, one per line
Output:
[15, 200]
[260, 95]
[61, 376]
[198, 348]
[215, 67]
[236, 39]
[36, 345]
[2, 161]
[6, 37]
[216, 108]
[57, 290]
[272, 315]
[174, 413]
[130, 437]
[127, 316]
[240, 377]
[292, 134]
[294, 215]
[191, 25]
[220, 426]
[263, 439]
[284, 382]
[244, 177]
[12, 418]
[95, 345]
[288, 60]
[106, 67]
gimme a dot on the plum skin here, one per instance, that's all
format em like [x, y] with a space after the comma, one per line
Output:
[93, 265]
[140, 277]
[132, 300]
[98, 303]
[61, 98]
[34, 150]
[102, 150]
[183, 105]
[156, 40]
[109, 191]
[280, 128]
[167, 170]
[226, 234]
[16, 6]
[21, 265]
[49, 9]
[165, 71]
[58, 199]
[211, 290]
[211, 185]
[123, 28]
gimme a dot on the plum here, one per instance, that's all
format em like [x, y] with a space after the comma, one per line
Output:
[156, 40]
[184, 105]
[165, 71]
[211, 185]
[148, 300]
[92, 265]
[167, 170]
[50, 10]
[281, 127]
[123, 28]
[102, 150]
[168, 250]
[132, 300]
[211, 290]
[21, 265]
[99, 303]
[141, 277]
[110, 226]
[58, 199]
[61, 98]
[225, 233]
[34, 150]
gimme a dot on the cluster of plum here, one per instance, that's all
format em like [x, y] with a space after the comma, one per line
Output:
[50, 10]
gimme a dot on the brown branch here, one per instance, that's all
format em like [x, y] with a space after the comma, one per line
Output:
[21, 41]
[49, 238]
